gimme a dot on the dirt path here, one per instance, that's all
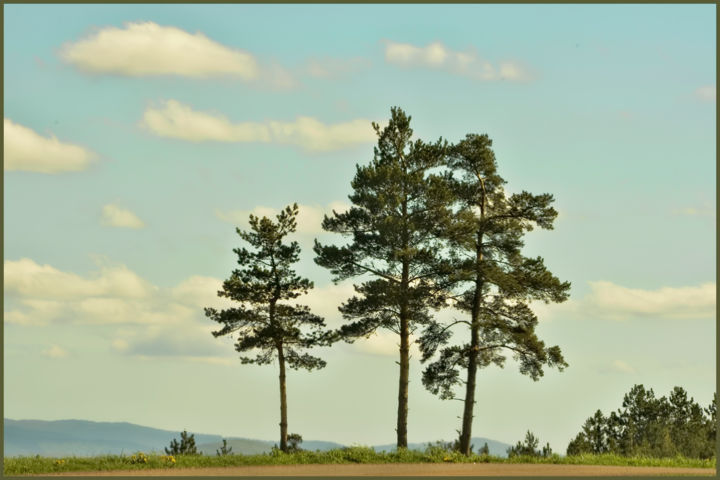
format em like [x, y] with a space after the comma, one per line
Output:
[413, 469]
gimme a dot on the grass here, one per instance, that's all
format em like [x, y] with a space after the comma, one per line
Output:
[140, 461]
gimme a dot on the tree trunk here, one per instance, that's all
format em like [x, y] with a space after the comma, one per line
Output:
[283, 402]
[404, 363]
[402, 416]
[403, 384]
[469, 405]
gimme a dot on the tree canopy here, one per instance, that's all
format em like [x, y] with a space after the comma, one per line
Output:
[264, 321]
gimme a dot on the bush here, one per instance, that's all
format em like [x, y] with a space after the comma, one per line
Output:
[294, 441]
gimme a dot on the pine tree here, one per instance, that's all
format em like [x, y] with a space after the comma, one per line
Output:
[495, 281]
[224, 449]
[528, 448]
[595, 431]
[645, 425]
[686, 424]
[579, 445]
[484, 450]
[264, 321]
[399, 206]
[185, 447]
[711, 424]
[547, 450]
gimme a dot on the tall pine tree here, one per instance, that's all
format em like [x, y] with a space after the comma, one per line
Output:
[399, 205]
[495, 281]
[264, 321]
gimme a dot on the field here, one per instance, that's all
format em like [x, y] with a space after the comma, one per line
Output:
[358, 461]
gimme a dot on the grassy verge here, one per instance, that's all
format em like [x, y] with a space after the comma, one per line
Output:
[40, 465]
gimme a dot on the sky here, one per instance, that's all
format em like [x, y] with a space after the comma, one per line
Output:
[137, 138]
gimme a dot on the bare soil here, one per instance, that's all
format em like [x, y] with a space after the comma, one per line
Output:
[413, 469]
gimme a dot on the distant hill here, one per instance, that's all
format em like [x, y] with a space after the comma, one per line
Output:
[85, 438]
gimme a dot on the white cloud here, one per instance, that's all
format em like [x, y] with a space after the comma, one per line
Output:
[29, 279]
[153, 321]
[314, 136]
[438, 57]
[55, 352]
[26, 150]
[706, 93]
[617, 302]
[176, 120]
[167, 322]
[115, 216]
[199, 291]
[146, 48]
[309, 219]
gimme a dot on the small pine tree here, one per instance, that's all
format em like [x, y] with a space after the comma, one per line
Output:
[484, 450]
[547, 450]
[185, 447]
[529, 448]
[224, 450]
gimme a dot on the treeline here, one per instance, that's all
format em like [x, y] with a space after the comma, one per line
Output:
[653, 427]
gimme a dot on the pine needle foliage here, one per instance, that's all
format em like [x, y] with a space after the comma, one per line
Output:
[186, 446]
[493, 282]
[649, 426]
[399, 204]
[265, 322]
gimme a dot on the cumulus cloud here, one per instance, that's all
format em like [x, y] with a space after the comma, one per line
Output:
[26, 150]
[115, 216]
[167, 322]
[55, 352]
[175, 120]
[617, 302]
[437, 56]
[29, 279]
[153, 321]
[309, 219]
[314, 136]
[706, 93]
[201, 291]
[146, 48]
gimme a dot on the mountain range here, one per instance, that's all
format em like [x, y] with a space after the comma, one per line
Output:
[85, 438]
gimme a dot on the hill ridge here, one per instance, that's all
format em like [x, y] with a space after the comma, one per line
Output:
[77, 437]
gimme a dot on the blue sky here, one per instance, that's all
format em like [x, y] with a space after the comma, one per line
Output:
[137, 137]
